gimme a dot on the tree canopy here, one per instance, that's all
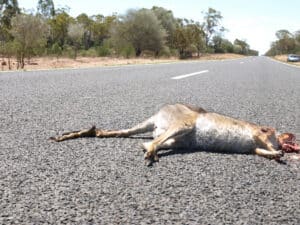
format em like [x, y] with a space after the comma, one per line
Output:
[139, 32]
[286, 43]
[46, 8]
[29, 33]
[142, 29]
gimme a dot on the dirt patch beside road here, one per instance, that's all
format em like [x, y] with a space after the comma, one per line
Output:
[82, 62]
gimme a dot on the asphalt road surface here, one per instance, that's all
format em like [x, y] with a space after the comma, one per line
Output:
[105, 181]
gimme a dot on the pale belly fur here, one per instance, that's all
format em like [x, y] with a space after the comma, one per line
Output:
[214, 135]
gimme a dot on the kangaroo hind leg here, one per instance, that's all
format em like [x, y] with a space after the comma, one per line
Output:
[75, 134]
[143, 127]
[166, 140]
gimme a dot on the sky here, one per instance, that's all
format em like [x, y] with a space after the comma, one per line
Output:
[255, 21]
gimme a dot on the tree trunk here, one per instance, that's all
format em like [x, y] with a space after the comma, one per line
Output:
[22, 61]
[75, 53]
[18, 62]
[138, 52]
[9, 64]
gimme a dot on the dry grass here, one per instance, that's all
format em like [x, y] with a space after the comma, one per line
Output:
[39, 63]
[283, 58]
[221, 56]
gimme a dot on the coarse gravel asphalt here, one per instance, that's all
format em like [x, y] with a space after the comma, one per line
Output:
[105, 181]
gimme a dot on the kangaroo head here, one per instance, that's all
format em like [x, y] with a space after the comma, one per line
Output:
[287, 142]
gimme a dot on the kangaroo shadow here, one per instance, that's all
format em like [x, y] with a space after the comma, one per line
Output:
[183, 151]
[140, 137]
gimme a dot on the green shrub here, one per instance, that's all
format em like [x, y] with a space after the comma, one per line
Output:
[56, 50]
[237, 49]
[174, 52]
[91, 52]
[148, 54]
[210, 50]
[103, 51]
[68, 52]
[165, 52]
[127, 51]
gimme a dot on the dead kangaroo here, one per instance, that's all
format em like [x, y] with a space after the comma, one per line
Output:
[185, 126]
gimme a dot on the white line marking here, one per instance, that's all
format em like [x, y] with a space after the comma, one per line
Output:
[241, 62]
[87, 97]
[188, 75]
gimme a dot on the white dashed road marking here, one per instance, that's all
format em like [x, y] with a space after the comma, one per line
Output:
[189, 75]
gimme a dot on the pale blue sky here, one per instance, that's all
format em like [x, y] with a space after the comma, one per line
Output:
[255, 21]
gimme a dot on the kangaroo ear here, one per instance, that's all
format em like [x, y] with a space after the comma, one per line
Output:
[267, 129]
[264, 129]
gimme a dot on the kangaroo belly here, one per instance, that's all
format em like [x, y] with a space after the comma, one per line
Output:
[220, 133]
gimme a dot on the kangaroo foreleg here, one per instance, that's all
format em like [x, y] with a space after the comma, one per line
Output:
[268, 154]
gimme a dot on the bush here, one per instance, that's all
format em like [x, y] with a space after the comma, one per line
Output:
[165, 52]
[237, 49]
[127, 51]
[56, 50]
[185, 54]
[297, 50]
[174, 52]
[68, 52]
[105, 49]
[142, 29]
[91, 52]
[210, 50]
[148, 54]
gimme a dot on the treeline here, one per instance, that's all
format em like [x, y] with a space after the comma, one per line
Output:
[144, 32]
[286, 43]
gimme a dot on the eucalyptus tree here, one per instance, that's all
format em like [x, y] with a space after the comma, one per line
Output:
[212, 24]
[141, 29]
[29, 33]
[76, 33]
[168, 22]
[8, 9]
